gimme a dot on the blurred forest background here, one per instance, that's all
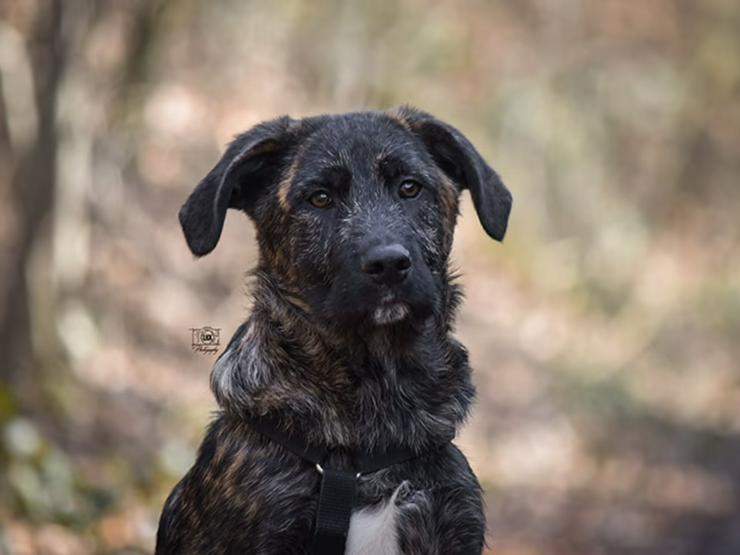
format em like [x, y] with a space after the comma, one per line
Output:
[605, 331]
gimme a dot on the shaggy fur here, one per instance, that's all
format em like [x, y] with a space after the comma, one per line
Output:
[348, 360]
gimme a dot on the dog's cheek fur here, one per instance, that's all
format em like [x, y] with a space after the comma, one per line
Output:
[449, 209]
[313, 244]
[296, 245]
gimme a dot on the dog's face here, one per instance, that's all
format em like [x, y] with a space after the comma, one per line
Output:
[354, 213]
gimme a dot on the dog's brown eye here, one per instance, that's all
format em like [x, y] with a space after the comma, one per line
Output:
[320, 199]
[409, 189]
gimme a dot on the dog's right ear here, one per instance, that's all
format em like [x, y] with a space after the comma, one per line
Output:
[250, 163]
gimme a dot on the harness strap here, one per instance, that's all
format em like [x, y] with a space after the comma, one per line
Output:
[336, 499]
[270, 428]
[338, 487]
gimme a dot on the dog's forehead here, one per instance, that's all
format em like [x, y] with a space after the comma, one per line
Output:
[359, 140]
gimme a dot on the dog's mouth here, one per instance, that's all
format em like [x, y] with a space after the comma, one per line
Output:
[390, 313]
[390, 310]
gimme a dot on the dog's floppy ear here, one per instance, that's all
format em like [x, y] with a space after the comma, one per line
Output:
[251, 161]
[459, 159]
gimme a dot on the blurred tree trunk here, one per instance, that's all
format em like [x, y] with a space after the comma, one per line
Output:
[56, 35]
[31, 194]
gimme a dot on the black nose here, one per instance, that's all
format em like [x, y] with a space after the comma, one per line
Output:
[387, 264]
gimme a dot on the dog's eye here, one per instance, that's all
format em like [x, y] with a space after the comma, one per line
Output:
[409, 189]
[320, 199]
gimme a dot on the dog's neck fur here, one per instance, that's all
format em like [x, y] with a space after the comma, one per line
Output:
[358, 393]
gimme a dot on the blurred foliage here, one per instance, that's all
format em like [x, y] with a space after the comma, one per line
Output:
[604, 332]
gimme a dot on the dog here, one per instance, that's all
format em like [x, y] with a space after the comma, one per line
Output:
[348, 353]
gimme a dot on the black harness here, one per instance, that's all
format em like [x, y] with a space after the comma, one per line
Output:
[338, 486]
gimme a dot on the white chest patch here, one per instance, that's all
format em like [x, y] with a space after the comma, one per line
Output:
[372, 531]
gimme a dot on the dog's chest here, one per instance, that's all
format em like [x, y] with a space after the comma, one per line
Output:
[374, 530]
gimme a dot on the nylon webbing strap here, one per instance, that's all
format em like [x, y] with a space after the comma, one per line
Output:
[269, 427]
[336, 499]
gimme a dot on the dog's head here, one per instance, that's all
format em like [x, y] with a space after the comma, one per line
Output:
[354, 213]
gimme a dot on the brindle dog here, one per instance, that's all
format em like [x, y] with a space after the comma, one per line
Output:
[349, 342]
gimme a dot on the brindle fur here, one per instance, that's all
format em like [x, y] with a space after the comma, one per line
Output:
[308, 359]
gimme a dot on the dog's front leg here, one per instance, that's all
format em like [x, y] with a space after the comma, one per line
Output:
[448, 520]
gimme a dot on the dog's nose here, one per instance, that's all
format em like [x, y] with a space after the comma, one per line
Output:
[387, 264]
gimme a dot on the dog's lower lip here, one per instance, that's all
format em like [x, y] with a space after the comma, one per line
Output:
[390, 312]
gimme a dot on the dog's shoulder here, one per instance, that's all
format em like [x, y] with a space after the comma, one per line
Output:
[182, 505]
[226, 498]
[170, 522]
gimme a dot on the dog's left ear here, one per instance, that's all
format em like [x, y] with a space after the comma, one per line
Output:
[462, 163]
[251, 162]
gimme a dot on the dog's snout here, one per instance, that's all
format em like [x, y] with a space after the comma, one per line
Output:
[387, 264]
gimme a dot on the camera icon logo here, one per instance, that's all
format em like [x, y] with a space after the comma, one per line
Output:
[205, 339]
